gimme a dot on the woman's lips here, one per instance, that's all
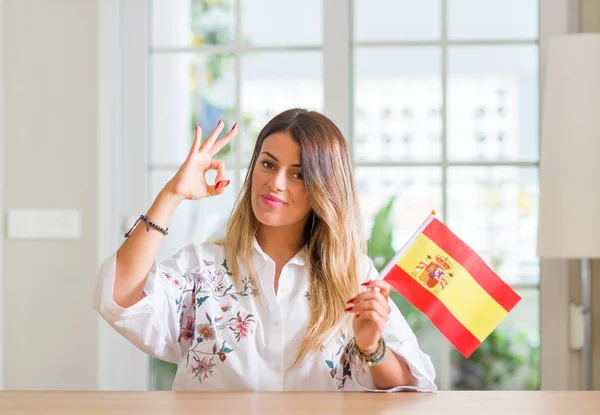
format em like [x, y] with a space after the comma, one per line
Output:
[272, 201]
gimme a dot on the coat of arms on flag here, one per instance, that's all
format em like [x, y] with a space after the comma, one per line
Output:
[434, 273]
[446, 280]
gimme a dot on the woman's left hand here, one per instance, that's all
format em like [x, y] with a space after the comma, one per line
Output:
[371, 311]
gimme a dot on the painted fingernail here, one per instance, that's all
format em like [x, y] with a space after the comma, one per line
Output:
[350, 309]
[356, 315]
[234, 125]
[220, 121]
[365, 284]
[218, 183]
[227, 183]
[350, 301]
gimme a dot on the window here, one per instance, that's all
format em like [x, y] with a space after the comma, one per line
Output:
[444, 116]
[239, 61]
[236, 60]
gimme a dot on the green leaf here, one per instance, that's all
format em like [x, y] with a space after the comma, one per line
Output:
[380, 250]
[201, 300]
[379, 245]
[329, 363]
[227, 350]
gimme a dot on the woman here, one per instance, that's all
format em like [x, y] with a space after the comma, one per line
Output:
[277, 304]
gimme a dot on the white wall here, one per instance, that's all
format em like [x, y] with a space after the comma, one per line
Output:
[50, 141]
[1, 187]
[122, 165]
[590, 23]
[556, 359]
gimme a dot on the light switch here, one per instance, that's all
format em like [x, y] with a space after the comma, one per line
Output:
[44, 224]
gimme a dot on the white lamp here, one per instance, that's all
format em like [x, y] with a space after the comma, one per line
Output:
[569, 224]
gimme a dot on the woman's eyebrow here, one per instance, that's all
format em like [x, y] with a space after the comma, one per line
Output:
[275, 158]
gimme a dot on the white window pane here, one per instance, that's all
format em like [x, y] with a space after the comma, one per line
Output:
[493, 19]
[495, 211]
[493, 103]
[195, 221]
[417, 191]
[188, 89]
[397, 104]
[509, 359]
[273, 82]
[396, 20]
[282, 22]
[242, 175]
[187, 23]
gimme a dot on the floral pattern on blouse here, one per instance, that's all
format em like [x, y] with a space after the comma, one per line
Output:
[343, 370]
[205, 341]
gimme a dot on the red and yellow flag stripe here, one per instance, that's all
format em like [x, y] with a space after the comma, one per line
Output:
[469, 300]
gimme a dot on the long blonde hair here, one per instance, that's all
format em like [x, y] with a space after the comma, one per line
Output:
[334, 243]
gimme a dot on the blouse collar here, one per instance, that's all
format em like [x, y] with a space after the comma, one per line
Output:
[297, 259]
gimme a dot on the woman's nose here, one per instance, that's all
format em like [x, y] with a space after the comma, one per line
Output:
[279, 181]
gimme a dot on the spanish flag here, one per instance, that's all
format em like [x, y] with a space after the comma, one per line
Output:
[445, 279]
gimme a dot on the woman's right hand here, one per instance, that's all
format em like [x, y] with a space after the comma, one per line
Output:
[190, 182]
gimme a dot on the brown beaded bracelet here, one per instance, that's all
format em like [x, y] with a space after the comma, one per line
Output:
[149, 223]
[375, 358]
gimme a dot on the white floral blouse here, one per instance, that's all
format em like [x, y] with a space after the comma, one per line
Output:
[223, 339]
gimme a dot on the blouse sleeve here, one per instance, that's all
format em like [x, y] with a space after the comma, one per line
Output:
[154, 323]
[400, 340]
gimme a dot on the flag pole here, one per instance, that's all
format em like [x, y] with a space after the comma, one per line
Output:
[404, 248]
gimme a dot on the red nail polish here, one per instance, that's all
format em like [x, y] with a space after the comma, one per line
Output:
[217, 183]
[234, 125]
[365, 284]
[350, 301]
[350, 309]
[220, 121]
[227, 183]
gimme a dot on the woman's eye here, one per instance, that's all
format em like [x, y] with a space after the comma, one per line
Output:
[267, 165]
[298, 176]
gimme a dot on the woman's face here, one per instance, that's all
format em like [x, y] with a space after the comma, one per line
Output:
[279, 196]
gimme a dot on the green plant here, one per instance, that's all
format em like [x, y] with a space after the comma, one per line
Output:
[505, 360]
[162, 374]
[380, 250]
[208, 27]
[207, 21]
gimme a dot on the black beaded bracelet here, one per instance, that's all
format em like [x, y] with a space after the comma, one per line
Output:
[149, 223]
